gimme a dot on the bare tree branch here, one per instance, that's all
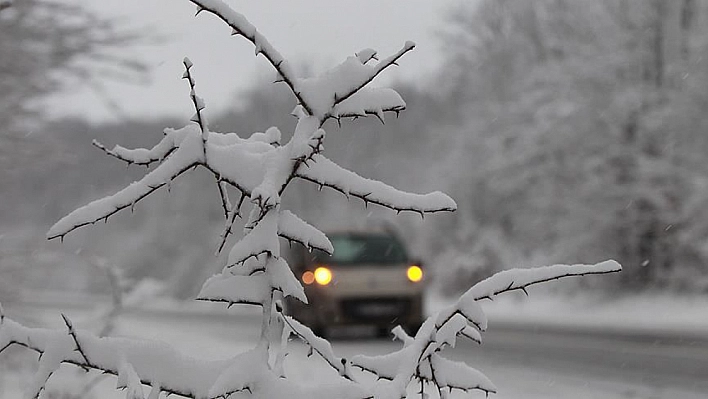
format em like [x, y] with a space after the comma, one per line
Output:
[241, 26]
[380, 67]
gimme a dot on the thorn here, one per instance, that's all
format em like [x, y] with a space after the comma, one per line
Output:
[199, 9]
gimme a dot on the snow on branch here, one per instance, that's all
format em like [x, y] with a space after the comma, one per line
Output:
[420, 360]
[323, 93]
[318, 96]
[252, 286]
[241, 26]
[261, 239]
[233, 289]
[140, 156]
[519, 279]
[370, 101]
[185, 157]
[357, 81]
[326, 173]
[421, 356]
[133, 361]
[295, 229]
[318, 345]
[234, 161]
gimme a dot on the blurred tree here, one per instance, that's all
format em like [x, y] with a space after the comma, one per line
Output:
[46, 46]
[45, 43]
[582, 133]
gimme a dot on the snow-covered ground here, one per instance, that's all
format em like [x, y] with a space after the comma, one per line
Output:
[206, 331]
[661, 315]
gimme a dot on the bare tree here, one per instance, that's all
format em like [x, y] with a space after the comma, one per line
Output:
[45, 43]
[585, 111]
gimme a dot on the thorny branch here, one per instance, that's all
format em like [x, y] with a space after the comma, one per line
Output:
[130, 161]
[197, 102]
[83, 362]
[380, 67]
[232, 213]
[72, 333]
[241, 26]
[291, 323]
[522, 287]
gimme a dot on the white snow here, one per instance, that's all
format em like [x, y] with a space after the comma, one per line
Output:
[261, 239]
[370, 100]
[293, 228]
[326, 173]
[235, 289]
[513, 279]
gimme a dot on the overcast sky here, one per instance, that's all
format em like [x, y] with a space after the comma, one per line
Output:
[314, 33]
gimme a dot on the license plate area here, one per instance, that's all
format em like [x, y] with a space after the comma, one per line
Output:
[375, 309]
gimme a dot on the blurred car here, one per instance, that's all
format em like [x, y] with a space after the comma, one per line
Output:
[368, 280]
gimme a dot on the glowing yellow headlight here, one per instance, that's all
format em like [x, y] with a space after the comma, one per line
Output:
[414, 273]
[323, 276]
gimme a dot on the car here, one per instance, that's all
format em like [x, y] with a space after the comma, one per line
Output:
[368, 280]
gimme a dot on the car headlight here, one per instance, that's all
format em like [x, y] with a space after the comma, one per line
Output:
[323, 275]
[414, 273]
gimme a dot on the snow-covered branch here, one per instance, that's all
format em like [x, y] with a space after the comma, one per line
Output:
[326, 173]
[319, 96]
[241, 26]
[421, 359]
[519, 279]
[197, 102]
[260, 169]
[140, 156]
[319, 345]
[134, 362]
[188, 154]
[357, 84]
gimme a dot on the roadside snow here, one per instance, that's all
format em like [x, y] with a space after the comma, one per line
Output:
[650, 314]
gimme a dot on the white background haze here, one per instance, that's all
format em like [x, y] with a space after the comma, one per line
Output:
[311, 40]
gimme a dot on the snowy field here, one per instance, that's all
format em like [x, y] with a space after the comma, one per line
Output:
[203, 331]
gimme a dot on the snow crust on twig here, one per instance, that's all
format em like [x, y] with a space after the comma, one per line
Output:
[326, 173]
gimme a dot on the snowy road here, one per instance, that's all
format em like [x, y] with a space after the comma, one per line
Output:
[523, 364]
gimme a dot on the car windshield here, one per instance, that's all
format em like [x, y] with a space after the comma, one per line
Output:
[363, 248]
